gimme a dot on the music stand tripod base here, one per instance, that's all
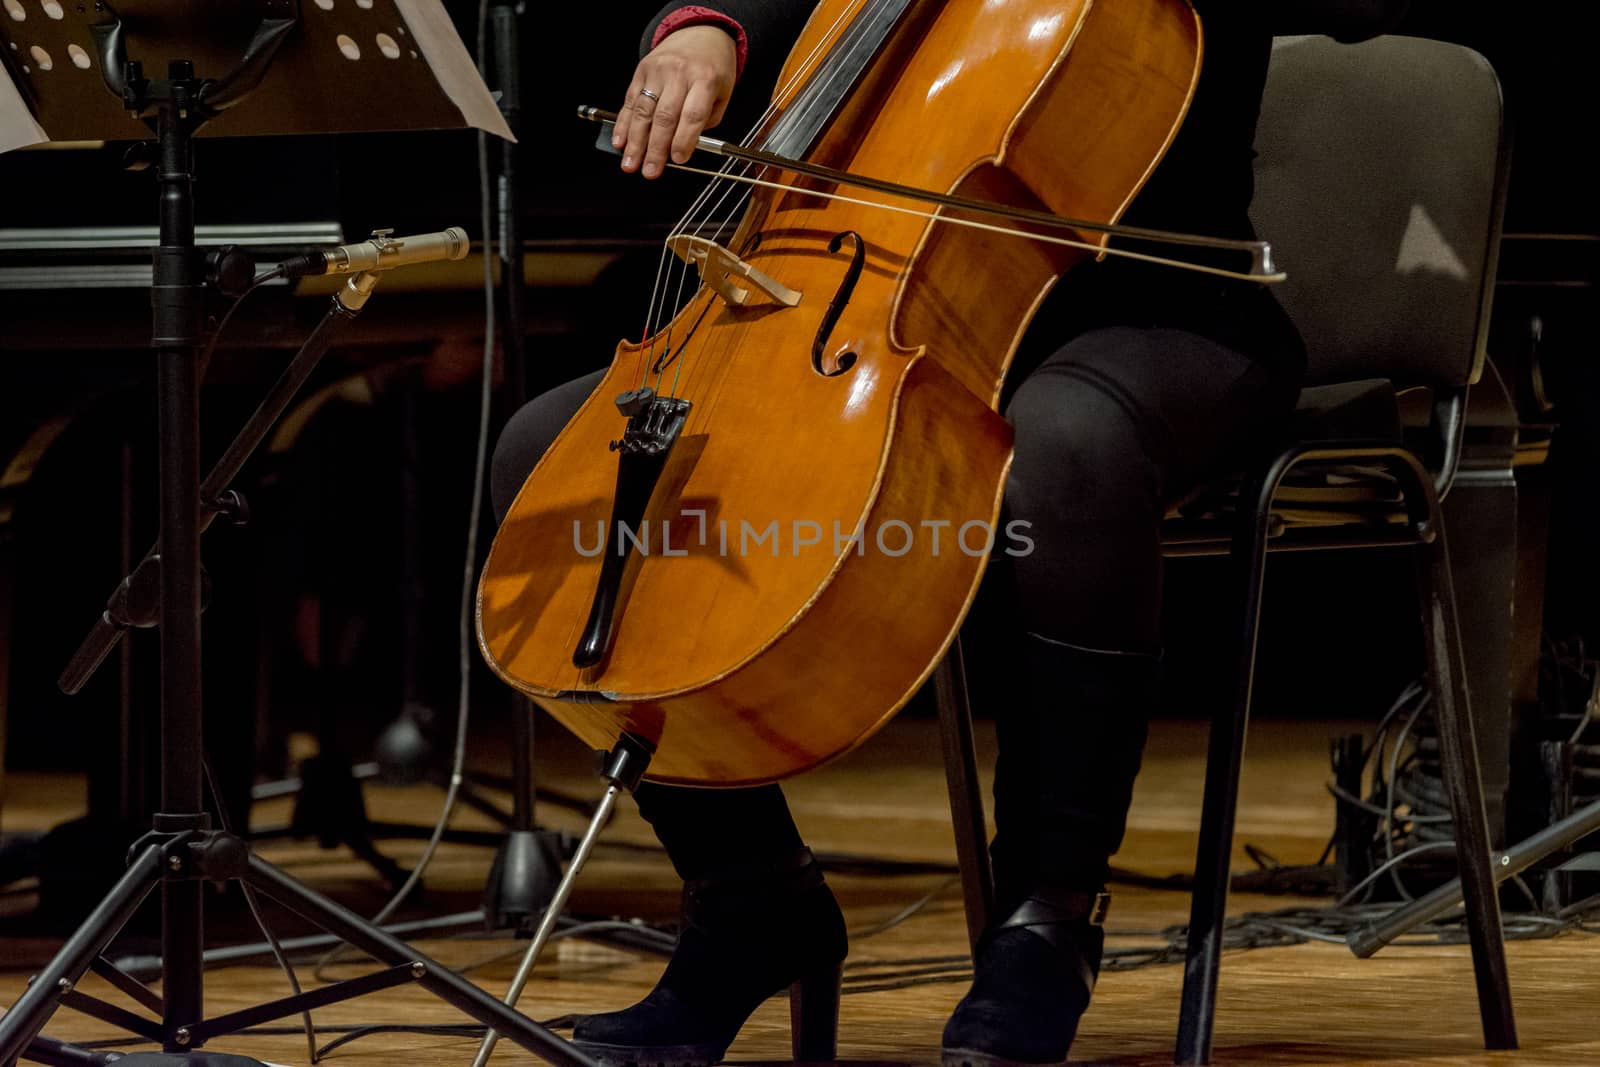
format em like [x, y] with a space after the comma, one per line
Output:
[203, 855]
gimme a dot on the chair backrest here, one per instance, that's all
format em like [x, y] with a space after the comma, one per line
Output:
[1380, 179]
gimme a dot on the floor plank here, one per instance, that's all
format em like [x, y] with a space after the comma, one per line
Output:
[1307, 1004]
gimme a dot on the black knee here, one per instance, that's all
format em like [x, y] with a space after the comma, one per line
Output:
[528, 434]
[1081, 455]
[1087, 494]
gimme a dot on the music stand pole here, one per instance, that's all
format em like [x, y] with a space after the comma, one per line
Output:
[505, 29]
[176, 304]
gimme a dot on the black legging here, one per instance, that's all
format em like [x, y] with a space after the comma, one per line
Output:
[1109, 429]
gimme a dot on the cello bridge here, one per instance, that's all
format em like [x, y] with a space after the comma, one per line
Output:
[719, 267]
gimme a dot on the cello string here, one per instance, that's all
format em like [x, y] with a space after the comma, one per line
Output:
[715, 217]
[648, 340]
[804, 70]
[800, 112]
[646, 333]
[657, 305]
[724, 178]
[647, 337]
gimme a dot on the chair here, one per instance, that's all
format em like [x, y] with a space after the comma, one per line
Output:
[1380, 181]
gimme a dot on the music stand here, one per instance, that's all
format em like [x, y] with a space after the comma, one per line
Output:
[58, 60]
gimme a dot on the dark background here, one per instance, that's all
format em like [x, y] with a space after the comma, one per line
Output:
[1339, 642]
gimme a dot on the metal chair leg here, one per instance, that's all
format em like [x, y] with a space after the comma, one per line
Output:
[1224, 758]
[966, 798]
[1459, 755]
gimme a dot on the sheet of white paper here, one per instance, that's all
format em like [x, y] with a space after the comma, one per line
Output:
[17, 127]
[441, 46]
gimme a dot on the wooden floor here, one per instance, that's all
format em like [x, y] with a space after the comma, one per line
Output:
[1298, 1005]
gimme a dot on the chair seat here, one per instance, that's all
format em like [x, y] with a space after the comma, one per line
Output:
[1366, 410]
[1318, 494]
[1360, 410]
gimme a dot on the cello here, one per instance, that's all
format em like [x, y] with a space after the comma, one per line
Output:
[760, 533]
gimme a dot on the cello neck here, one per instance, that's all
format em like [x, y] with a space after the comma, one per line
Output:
[797, 127]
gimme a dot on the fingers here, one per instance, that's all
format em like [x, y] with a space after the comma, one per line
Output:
[665, 116]
[699, 106]
[677, 90]
[619, 129]
[646, 114]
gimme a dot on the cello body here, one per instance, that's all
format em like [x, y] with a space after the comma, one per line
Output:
[817, 530]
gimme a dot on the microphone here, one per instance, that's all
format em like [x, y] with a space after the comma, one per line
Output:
[380, 252]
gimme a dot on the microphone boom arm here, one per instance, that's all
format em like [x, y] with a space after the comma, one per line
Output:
[131, 604]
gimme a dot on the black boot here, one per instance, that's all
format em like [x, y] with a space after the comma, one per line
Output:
[745, 937]
[1034, 974]
[1069, 753]
[1068, 758]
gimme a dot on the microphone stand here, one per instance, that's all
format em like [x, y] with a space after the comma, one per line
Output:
[527, 863]
[136, 600]
[526, 869]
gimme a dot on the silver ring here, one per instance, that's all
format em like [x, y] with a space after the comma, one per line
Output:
[649, 93]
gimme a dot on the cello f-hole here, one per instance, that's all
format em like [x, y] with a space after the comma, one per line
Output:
[836, 306]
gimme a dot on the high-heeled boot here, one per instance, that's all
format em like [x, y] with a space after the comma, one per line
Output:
[1068, 759]
[1033, 976]
[746, 936]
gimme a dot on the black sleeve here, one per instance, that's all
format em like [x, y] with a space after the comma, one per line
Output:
[1345, 20]
[770, 26]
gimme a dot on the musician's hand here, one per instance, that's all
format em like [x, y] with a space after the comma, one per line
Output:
[691, 72]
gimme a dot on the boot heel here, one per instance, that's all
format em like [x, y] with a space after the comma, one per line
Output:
[814, 1015]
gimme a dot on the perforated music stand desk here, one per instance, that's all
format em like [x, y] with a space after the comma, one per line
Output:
[342, 66]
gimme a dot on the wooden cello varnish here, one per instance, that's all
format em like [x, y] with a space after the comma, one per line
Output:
[745, 658]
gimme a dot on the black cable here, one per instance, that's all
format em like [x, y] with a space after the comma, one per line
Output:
[254, 905]
[469, 573]
[238, 301]
[959, 963]
[906, 983]
[914, 908]
[915, 961]
[359, 1032]
[1250, 930]
[668, 941]
[844, 863]
[1415, 824]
